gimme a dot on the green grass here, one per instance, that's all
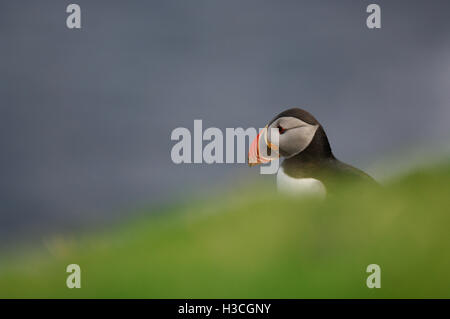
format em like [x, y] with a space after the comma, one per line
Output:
[244, 244]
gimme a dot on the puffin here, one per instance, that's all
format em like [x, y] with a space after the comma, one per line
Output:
[309, 166]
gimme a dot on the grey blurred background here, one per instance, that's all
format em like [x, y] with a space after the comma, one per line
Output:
[86, 115]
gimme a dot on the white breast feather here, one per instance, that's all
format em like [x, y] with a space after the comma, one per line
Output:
[299, 186]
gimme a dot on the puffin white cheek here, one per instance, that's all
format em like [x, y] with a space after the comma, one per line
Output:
[289, 144]
[296, 140]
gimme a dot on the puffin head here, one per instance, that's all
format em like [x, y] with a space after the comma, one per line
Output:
[290, 133]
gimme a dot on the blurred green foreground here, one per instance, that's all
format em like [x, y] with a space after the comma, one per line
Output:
[246, 244]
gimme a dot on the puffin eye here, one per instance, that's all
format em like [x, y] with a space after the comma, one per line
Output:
[281, 129]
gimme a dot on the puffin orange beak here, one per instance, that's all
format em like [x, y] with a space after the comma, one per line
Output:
[261, 150]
